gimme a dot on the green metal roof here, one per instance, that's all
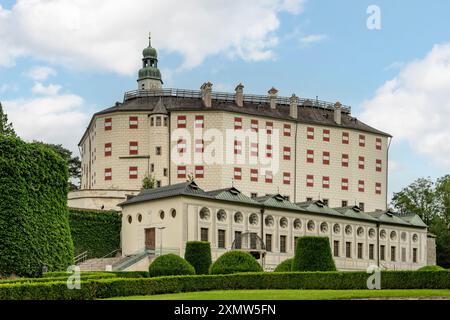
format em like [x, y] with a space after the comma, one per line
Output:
[276, 201]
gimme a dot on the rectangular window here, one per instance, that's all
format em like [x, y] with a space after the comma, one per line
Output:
[269, 177]
[336, 248]
[254, 175]
[371, 251]
[345, 138]
[362, 140]
[253, 195]
[181, 172]
[237, 147]
[377, 188]
[326, 135]
[382, 252]
[152, 121]
[181, 145]
[268, 242]
[378, 166]
[326, 158]
[221, 239]
[253, 238]
[326, 182]
[165, 172]
[403, 254]
[199, 172]
[361, 206]
[287, 130]
[108, 149]
[344, 184]
[158, 121]
[378, 144]
[133, 172]
[108, 174]
[158, 183]
[152, 167]
[165, 121]
[393, 249]
[237, 173]
[283, 244]
[325, 202]
[269, 151]
[286, 178]
[310, 133]
[254, 125]
[345, 160]
[310, 156]
[181, 122]
[237, 239]
[237, 123]
[108, 124]
[309, 199]
[199, 146]
[348, 249]
[414, 255]
[361, 185]
[360, 250]
[254, 149]
[199, 122]
[133, 122]
[344, 203]
[158, 151]
[269, 127]
[361, 162]
[134, 148]
[310, 180]
[204, 234]
[286, 153]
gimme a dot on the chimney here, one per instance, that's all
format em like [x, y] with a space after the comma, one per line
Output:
[338, 112]
[239, 99]
[293, 111]
[273, 98]
[206, 89]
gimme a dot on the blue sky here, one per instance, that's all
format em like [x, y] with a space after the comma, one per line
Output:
[308, 47]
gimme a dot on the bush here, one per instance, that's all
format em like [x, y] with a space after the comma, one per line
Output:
[285, 266]
[431, 268]
[34, 228]
[97, 232]
[235, 261]
[313, 254]
[168, 265]
[198, 254]
[106, 288]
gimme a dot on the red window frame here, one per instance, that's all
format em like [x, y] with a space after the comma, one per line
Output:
[310, 181]
[237, 173]
[362, 140]
[269, 151]
[181, 172]
[286, 178]
[378, 144]
[326, 135]
[254, 125]
[269, 127]
[254, 175]
[108, 124]
[326, 182]
[133, 172]
[134, 151]
[181, 121]
[344, 184]
[326, 158]
[310, 156]
[268, 177]
[377, 188]
[361, 162]
[199, 145]
[379, 165]
[361, 186]
[108, 149]
[287, 130]
[310, 133]
[181, 145]
[199, 172]
[345, 138]
[237, 123]
[237, 147]
[108, 174]
[254, 149]
[199, 122]
[286, 153]
[345, 160]
[133, 122]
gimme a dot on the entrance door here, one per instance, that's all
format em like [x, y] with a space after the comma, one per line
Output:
[150, 238]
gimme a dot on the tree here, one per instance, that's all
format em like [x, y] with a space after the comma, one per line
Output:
[149, 182]
[73, 163]
[6, 127]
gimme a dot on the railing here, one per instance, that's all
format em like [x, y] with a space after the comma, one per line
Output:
[81, 257]
[225, 96]
[140, 254]
[112, 252]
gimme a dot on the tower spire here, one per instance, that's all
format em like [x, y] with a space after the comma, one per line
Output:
[149, 38]
[149, 75]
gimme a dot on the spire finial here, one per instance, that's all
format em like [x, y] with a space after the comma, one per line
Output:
[150, 38]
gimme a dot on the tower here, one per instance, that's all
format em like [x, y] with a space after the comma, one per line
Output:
[149, 75]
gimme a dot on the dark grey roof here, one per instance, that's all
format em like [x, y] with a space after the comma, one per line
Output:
[159, 108]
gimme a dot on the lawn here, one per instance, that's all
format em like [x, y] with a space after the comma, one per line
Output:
[294, 295]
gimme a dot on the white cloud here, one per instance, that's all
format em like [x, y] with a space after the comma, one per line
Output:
[313, 38]
[51, 89]
[40, 73]
[110, 34]
[415, 105]
[54, 119]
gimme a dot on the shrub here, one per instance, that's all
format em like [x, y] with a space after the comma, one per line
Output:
[198, 254]
[97, 232]
[235, 261]
[170, 264]
[285, 266]
[34, 228]
[313, 254]
[431, 268]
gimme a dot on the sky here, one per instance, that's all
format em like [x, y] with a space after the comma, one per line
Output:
[63, 60]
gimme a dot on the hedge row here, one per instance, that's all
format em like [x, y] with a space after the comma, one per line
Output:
[106, 288]
[97, 232]
[118, 274]
[99, 275]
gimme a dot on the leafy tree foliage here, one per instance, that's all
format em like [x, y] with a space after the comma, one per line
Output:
[149, 182]
[6, 127]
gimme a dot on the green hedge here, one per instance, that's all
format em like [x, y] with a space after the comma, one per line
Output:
[99, 275]
[120, 274]
[313, 254]
[34, 228]
[235, 261]
[431, 268]
[198, 254]
[106, 288]
[285, 266]
[97, 232]
[168, 265]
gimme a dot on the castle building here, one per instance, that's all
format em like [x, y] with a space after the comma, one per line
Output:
[243, 171]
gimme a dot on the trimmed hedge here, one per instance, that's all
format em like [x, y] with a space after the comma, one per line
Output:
[34, 228]
[97, 232]
[60, 278]
[235, 261]
[106, 288]
[168, 265]
[313, 254]
[285, 266]
[198, 254]
[120, 274]
[431, 268]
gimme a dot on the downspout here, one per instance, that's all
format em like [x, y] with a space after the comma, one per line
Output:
[387, 169]
[262, 210]
[295, 163]
[170, 147]
[378, 244]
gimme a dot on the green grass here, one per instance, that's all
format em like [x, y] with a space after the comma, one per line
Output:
[294, 295]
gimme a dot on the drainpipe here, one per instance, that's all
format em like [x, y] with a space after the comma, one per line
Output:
[262, 210]
[387, 169]
[378, 244]
[295, 162]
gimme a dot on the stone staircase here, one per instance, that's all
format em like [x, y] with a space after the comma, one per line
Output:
[98, 264]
